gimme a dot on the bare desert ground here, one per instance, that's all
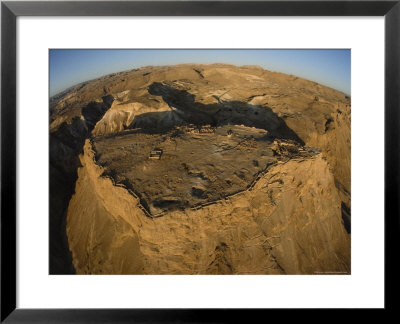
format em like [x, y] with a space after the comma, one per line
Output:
[200, 169]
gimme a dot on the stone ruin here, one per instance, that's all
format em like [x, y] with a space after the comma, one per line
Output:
[155, 154]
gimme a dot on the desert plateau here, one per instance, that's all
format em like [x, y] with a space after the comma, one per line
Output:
[200, 169]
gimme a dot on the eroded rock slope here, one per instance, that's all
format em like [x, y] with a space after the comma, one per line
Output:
[265, 190]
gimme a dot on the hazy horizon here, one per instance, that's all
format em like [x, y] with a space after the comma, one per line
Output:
[70, 67]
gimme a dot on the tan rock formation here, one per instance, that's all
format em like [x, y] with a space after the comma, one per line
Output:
[289, 223]
[291, 220]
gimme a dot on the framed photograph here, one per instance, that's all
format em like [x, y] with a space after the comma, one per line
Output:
[181, 160]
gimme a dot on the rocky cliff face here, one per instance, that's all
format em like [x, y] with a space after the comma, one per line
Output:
[289, 223]
[66, 143]
[294, 218]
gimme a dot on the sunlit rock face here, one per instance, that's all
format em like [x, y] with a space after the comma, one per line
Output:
[200, 169]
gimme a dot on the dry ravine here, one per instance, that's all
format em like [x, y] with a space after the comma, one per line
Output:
[200, 169]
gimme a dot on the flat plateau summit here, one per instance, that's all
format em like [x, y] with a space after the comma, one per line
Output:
[200, 169]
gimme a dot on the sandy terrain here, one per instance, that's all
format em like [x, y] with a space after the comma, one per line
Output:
[254, 176]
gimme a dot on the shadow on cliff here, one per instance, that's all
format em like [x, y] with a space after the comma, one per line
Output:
[187, 111]
[66, 143]
[346, 217]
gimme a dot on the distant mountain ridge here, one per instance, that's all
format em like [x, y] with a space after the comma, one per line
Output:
[296, 217]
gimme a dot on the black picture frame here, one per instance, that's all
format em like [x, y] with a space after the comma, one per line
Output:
[11, 10]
